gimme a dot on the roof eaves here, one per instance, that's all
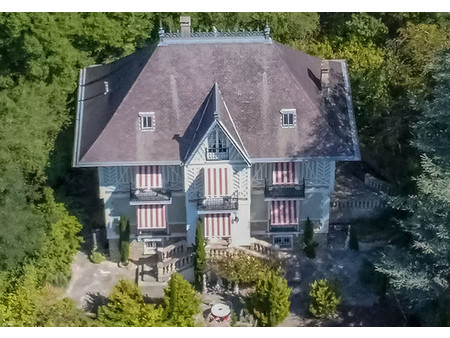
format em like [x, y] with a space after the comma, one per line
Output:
[235, 144]
[79, 118]
[303, 158]
[191, 155]
[124, 163]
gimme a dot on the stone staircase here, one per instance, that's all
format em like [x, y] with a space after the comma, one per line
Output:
[178, 257]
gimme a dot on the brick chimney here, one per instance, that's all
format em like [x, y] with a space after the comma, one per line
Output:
[185, 23]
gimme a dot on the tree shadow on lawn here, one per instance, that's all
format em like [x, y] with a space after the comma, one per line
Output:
[94, 301]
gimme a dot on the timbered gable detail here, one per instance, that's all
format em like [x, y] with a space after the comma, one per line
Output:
[216, 147]
[194, 182]
[241, 181]
[117, 179]
[317, 173]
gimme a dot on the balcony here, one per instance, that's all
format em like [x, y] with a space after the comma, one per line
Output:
[150, 196]
[283, 228]
[216, 154]
[283, 191]
[218, 203]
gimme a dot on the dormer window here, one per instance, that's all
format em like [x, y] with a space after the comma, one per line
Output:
[147, 121]
[217, 146]
[288, 118]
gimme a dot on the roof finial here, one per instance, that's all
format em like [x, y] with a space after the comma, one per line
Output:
[267, 31]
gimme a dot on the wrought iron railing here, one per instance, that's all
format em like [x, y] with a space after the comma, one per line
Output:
[216, 154]
[150, 194]
[283, 227]
[285, 190]
[219, 203]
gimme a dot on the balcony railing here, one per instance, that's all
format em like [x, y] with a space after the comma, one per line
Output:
[218, 203]
[150, 195]
[283, 227]
[285, 190]
[216, 154]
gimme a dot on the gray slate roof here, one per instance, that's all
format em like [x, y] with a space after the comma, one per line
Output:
[256, 81]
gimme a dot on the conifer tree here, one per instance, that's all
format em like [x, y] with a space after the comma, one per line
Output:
[126, 307]
[420, 271]
[270, 302]
[124, 241]
[199, 256]
[309, 244]
[323, 299]
[181, 302]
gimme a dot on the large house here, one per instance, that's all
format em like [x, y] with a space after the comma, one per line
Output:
[231, 128]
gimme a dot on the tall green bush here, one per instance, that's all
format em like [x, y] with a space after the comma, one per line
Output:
[124, 241]
[199, 256]
[270, 302]
[126, 307]
[324, 299]
[309, 244]
[181, 302]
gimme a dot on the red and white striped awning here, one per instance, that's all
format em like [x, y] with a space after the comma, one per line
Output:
[217, 225]
[151, 217]
[283, 212]
[148, 176]
[284, 173]
[216, 181]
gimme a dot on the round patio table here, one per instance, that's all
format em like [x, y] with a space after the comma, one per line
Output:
[220, 310]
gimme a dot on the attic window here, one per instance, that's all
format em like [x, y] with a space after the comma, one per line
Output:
[288, 118]
[147, 121]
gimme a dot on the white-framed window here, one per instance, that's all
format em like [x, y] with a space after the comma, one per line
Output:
[147, 120]
[283, 242]
[288, 118]
[217, 145]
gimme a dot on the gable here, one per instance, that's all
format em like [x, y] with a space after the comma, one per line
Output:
[224, 148]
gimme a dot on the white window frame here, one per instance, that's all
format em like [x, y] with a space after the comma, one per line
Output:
[285, 112]
[217, 136]
[142, 116]
[291, 239]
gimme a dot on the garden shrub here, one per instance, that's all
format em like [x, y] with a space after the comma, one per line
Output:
[124, 242]
[181, 302]
[309, 244]
[96, 257]
[199, 256]
[244, 269]
[324, 299]
[270, 303]
[126, 307]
